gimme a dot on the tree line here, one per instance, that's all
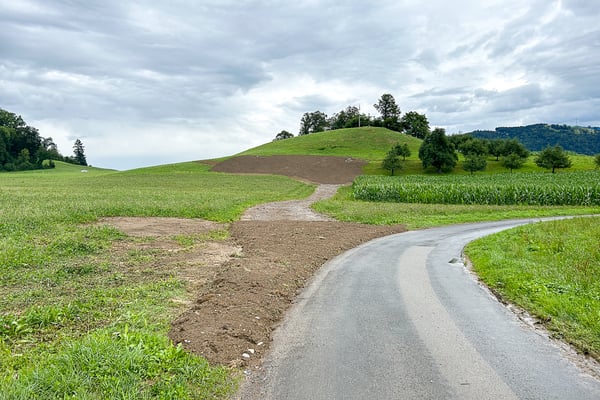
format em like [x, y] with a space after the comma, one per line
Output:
[536, 137]
[440, 152]
[22, 148]
[390, 117]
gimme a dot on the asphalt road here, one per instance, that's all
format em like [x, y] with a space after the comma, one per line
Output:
[401, 318]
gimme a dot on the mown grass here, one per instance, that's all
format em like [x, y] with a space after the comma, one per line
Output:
[550, 269]
[78, 319]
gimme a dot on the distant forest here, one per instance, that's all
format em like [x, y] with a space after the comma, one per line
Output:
[22, 148]
[537, 137]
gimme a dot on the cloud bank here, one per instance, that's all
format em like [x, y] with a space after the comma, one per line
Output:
[145, 83]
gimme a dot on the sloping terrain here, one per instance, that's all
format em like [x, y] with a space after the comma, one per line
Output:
[318, 169]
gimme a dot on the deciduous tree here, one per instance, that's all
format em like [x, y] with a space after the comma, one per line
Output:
[475, 162]
[415, 124]
[553, 158]
[283, 135]
[313, 122]
[391, 162]
[436, 151]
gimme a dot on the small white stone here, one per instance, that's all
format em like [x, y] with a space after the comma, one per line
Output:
[246, 355]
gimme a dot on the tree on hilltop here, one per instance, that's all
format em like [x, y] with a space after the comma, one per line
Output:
[78, 150]
[283, 135]
[313, 122]
[389, 111]
[415, 124]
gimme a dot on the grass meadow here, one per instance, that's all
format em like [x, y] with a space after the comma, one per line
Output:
[77, 322]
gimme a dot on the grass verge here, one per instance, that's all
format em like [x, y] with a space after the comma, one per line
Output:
[550, 269]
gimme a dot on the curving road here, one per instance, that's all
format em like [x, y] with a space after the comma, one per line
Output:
[400, 318]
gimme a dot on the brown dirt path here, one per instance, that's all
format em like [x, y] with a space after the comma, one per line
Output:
[244, 285]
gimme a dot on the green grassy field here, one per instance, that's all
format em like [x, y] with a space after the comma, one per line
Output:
[75, 321]
[73, 313]
[550, 269]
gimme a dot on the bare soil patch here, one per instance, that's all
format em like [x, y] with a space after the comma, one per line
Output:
[318, 169]
[232, 320]
[243, 285]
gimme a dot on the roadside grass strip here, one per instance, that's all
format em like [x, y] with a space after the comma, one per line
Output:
[550, 269]
[581, 188]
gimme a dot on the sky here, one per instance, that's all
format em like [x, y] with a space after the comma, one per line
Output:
[145, 83]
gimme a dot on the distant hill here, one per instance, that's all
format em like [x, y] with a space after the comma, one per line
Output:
[537, 137]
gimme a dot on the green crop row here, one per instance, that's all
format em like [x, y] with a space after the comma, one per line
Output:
[544, 189]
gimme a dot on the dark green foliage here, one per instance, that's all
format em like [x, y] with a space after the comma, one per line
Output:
[553, 158]
[391, 162]
[349, 118]
[415, 124]
[313, 122]
[402, 150]
[597, 160]
[578, 139]
[436, 151]
[473, 147]
[21, 146]
[389, 112]
[79, 152]
[475, 162]
[513, 161]
[513, 146]
[284, 135]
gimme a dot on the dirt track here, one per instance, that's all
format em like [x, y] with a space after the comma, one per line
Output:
[244, 285]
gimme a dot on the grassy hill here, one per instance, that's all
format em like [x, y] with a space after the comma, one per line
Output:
[367, 143]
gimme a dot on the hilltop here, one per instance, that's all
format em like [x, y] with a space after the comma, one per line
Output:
[334, 157]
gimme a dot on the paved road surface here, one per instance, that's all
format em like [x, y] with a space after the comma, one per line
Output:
[400, 318]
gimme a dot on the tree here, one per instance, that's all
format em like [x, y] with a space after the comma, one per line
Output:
[597, 160]
[389, 111]
[473, 146]
[78, 150]
[553, 158]
[513, 161]
[313, 122]
[348, 118]
[415, 124]
[496, 148]
[475, 162]
[391, 162]
[514, 146]
[402, 150]
[436, 151]
[283, 135]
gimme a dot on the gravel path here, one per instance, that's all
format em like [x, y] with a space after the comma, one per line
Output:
[292, 210]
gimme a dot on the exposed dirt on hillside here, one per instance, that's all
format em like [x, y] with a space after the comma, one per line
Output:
[318, 169]
[243, 285]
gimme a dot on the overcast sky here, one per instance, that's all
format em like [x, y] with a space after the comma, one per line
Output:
[152, 82]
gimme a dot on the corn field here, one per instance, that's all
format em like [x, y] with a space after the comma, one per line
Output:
[540, 189]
